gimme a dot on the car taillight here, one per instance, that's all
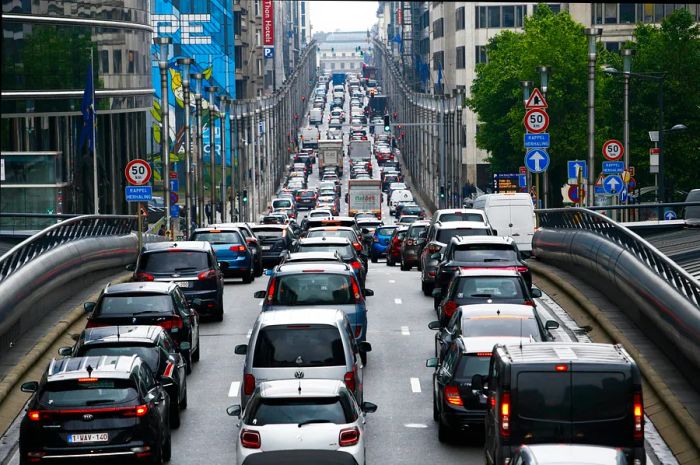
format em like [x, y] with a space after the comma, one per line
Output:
[298, 198]
[94, 324]
[450, 308]
[144, 277]
[237, 248]
[349, 436]
[358, 331]
[271, 289]
[205, 275]
[433, 248]
[521, 269]
[34, 415]
[175, 322]
[452, 396]
[250, 439]
[141, 410]
[357, 246]
[248, 384]
[504, 414]
[356, 265]
[638, 411]
[349, 380]
[356, 291]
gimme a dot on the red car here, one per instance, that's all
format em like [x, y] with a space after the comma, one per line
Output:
[393, 252]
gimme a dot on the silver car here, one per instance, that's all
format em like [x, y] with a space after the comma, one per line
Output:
[301, 344]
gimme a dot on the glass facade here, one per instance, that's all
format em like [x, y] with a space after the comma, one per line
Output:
[47, 48]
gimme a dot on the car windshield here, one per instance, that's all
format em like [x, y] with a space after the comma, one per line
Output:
[460, 216]
[172, 260]
[298, 411]
[485, 253]
[446, 235]
[313, 288]
[385, 231]
[493, 287]
[319, 214]
[411, 210]
[415, 231]
[349, 235]
[132, 304]
[282, 203]
[269, 233]
[500, 325]
[147, 354]
[344, 250]
[223, 237]
[298, 346]
[75, 393]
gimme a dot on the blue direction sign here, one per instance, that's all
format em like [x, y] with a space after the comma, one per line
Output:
[599, 190]
[175, 211]
[613, 167]
[522, 180]
[613, 184]
[669, 215]
[624, 194]
[536, 140]
[138, 193]
[572, 166]
[174, 185]
[536, 160]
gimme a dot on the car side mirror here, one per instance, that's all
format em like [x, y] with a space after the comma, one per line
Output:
[436, 256]
[364, 346]
[437, 292]
[434, 325]
[478, 382]
[534, 292]
[551, 324]
[29, 386]
[432, 362]
[89, 306]
[369, 407]
[65, 351]
[369, 292]
[241, 349]
[130, 267]
[259, 294]
[268, 272]
[234, 410]
[185, 345]
[494, 232]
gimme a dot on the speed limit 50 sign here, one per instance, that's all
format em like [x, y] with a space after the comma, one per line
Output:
[613, 150]
[138, 172]
[536, 120]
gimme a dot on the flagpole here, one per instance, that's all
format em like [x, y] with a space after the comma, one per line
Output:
[94, 138]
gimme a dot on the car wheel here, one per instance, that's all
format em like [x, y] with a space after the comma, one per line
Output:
[174, 415]
[418, 266]
[195, 354]
[249, 278]
[157, 457]
[258, 269]
[389, 261]
[374, 259]
[444, 433]
[363, 357]
[183, 401]
[188, 362]
[427, 288]
[405, 267]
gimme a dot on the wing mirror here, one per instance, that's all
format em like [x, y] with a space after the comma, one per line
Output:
[29, 386]
[432, 362]
[551, 324]
[65, 351]
[369, 407]
[434, 325]
[259, 294]
[369, 292]
[241, 349]
[437, 293]
[89, 306]
[364, 346]
[534, 292]
[234, 410]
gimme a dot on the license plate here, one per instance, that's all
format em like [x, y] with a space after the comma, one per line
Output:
[92, 437]
[183, 283]
[266, 247]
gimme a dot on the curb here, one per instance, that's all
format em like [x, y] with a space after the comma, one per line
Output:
[673, 405]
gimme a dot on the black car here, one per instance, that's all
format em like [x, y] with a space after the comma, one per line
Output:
[152, 344]
[343, 247]
[96, 407]
[306, 199]
[276, 241]
[160, 304]
[192, 266]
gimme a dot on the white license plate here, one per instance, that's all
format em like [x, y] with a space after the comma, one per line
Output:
[92, 437]
[184, 283]
[266, 247]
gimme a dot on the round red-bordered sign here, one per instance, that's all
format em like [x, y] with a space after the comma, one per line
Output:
[138, 172]
[536, 120]
[613, 150]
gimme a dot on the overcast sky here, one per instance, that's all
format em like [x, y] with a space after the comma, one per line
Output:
[328, 16]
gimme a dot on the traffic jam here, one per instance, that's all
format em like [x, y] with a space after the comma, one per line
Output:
[306, 319]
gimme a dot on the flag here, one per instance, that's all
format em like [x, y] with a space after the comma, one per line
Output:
[87, 108]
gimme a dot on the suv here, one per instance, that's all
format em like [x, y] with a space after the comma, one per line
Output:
[343, 246]
[303, 344]
[306, 199]
[160, 304]
[562, 393]
[276, 241]
[232, 253]
[439, 235]
[152, 344]
[190, 265]
[106, 407]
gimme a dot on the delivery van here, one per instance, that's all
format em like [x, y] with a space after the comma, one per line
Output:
[510, 215]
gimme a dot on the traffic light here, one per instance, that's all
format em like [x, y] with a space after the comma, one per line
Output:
[387, 124]
[442, 192]
[245, 195]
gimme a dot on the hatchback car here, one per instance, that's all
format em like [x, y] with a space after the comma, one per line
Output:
[276, 241]
[306, 199]
[160, 304]
[190, 265]
[86, 407]
[347, 232]
[231, 250]
[304, 414]
[393, 253]
[380, 242]
[413, 244]
[342, 246]
[251, 241]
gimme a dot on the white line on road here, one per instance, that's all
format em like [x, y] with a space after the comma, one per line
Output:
[416, 425]
[398, 301]
[405, 331]
[415, 385]
[392, 281]
[250, 331]
[233, 390]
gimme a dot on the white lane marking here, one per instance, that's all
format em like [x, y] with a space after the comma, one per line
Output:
[398, 301]
[415, 425]
[405, 331]
[392, 281]
[250, 331]
[415, 385]
[234, 389]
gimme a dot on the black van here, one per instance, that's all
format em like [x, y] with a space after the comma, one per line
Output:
[562, 393]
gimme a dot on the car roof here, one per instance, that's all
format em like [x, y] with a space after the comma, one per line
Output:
[462, 225]
[300, 388]
[493, 240]
[121, 334]
[217, 228]
[496, 310]
[486, 343]
[332, 228]
[460, 210]
[575, 453]
[203, 246]
[420, 223]
[316, 267]
[487, 272]
[140, 287]
[564, 352]
[256, 227]
[313, 315]
[311, 256]
[105, 366]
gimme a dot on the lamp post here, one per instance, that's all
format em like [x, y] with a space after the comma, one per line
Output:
[222, 114]
[185, 64]
[163, 43]
[212, 150]
[592, 33]
[544, 81]
[233, 110]
[199, 163]
[526, 86]
[661, 185]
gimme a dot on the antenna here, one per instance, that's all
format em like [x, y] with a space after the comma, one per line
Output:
[521, 334]
[299, 387]
[89, 371]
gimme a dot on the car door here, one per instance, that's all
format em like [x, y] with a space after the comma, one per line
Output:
[167, 347]
[189, 318]
[154, 394]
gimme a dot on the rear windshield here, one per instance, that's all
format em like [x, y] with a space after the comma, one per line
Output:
[446, 235]
[401, 235]
[505, 326]
[415, 231]
[460, 216]
[224, 237]
[345, 251]
[147, 354]
[495, 287]
[284, 203]
[300, 411]
[307, 194]
[472, 364]
[319, 214]
[411, 210]
[314, 289]
[98, 393]
[135, 304]
[349, 235]
[292, 346]
[485, 253]
[271, 233]
[172, 260]
[385, 231]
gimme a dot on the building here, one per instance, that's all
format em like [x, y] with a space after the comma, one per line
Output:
[297, 32]
[343, 51]
[47, 48]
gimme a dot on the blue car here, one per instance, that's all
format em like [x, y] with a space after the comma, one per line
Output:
[231, 250]
[321, 285]
[380, 242]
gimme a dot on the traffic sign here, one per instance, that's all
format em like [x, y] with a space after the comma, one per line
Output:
[138, 172]
[613, 167]
[174, 185]
[173, 175]
[536, 160]
[632, 184]
[174, 198]
[522, 180]
[175, 211]
[522, 170]
[536, 100]
[624, 194]
[631, 170]
[573, 193]
[269, 52]
[573, 165]
[138, 193]
[536, 120]
[669, 215]
[536, 140]
[613, 184]
[613, 150]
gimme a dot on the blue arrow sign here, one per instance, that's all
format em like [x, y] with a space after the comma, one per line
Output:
[613, 184]
[174, 185]
[138, 193]
[572, 165]
[536, 140]
[623, 194]
[522, 180]
[175, 211]
[613, 167]
[669, 215]
[536, 160]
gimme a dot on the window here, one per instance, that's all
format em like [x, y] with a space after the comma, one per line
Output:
[508, 16]
[499, 16]
[494, 16]
[257, 7]
[520, 12]
[298, 346]
[131, 66]
[627, 13]
[342, 65]
[612, 46]
[257, 37]
[104, 61]
[459, 20]
[480, 16]
[117, 60]
[332, 65]
[461, 57]
[438, 61]
[610, 12]
[342, 54]
[438, 28]
[480, 54]
[352, 65]
[260, 67]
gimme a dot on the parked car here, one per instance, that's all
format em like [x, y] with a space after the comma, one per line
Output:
[231, 250]
[276, 241]
[380, 242]
[393, 253]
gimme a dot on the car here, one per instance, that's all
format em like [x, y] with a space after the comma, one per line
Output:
[272, 219]
[380, 242]
[393, 253]
[192, 265]
[306, 199]
[438, 237]
[413, 244]
[568, 454]
[448, 215]
[312, 257]
[367, 225]
[481, 286]
[285, 205]
[149, 303]
[251, 241]
[408, 219]
[305, 414]
[108, 407]
[231, 250]
[152, 344]
[347, 232]
[276, 241]
[561, 392]
[340, 244]
[511, 215]
[410, 209]
[302, 343]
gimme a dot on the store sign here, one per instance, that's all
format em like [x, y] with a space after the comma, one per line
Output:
[268, 22]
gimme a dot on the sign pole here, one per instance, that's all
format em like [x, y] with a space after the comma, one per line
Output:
[139, 223]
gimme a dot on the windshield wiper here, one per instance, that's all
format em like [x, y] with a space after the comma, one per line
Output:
[99, 401]
[185, 268]
[481, 295]
[308, 422]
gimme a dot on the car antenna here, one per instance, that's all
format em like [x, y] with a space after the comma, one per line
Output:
[521, 334]
[299, 387]
[89, 371]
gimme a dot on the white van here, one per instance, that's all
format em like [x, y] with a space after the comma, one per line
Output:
[510, 215]
[316, 116]
[399, 195]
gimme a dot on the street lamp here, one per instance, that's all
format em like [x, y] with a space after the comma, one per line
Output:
[163, 43]
[212, 150]
[185, 64]
[592, 33]
[222, 114]
[544, 80]
[199, 157]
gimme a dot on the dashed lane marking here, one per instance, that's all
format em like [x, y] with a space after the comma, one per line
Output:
[405, 331]
[415, 425]
[415, 385]
[233, 390]
[398, 301]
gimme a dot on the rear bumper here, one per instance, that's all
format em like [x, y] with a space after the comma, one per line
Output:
[460, 419]
[378, 250]
[409, 255]
[101, 454]
[271, 260]
[209, 300]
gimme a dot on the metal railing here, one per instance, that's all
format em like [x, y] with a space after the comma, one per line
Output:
[587, 220]
[72, 228]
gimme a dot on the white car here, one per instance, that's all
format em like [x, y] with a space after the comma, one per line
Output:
[301, 414]
[319, 213]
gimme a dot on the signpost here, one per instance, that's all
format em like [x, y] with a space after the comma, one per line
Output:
[613, 167]
[138, 173]
[613, 150]
[613, 184]
[536, 100]
[536, 140]
[536, 120]
[572, 167]
[537, 160]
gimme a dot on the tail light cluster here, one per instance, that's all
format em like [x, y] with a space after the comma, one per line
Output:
[248, 384]
[141, 276]
[270, 294]
[207, 275]
[172, 323]
[350, 379]
[638, 411]
[356, 291]
[504, 414]
[349, 437]
[237, 248]
[434, 248]
[449, 308]
[136, 411]
[250, 439]
[357, 246]
[452, 396]
[356, 265]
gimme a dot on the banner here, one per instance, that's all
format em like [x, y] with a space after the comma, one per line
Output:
[268, 22]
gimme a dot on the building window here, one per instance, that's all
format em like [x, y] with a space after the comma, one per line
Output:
[342, 65]
[438, 60]
[459, 19]
[461, 58]
[352, 65]
[117, 61]
[499, 16]
[131, 66]
[438, 28]
[258, 40]
[332, 65]
[494, 16]
[508, 16]
[104, 61]
[342, 54]
[612, 46]
[257, 7]
[480, 54]
[260, 67]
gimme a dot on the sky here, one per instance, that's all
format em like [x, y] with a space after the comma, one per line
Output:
[329, 16]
